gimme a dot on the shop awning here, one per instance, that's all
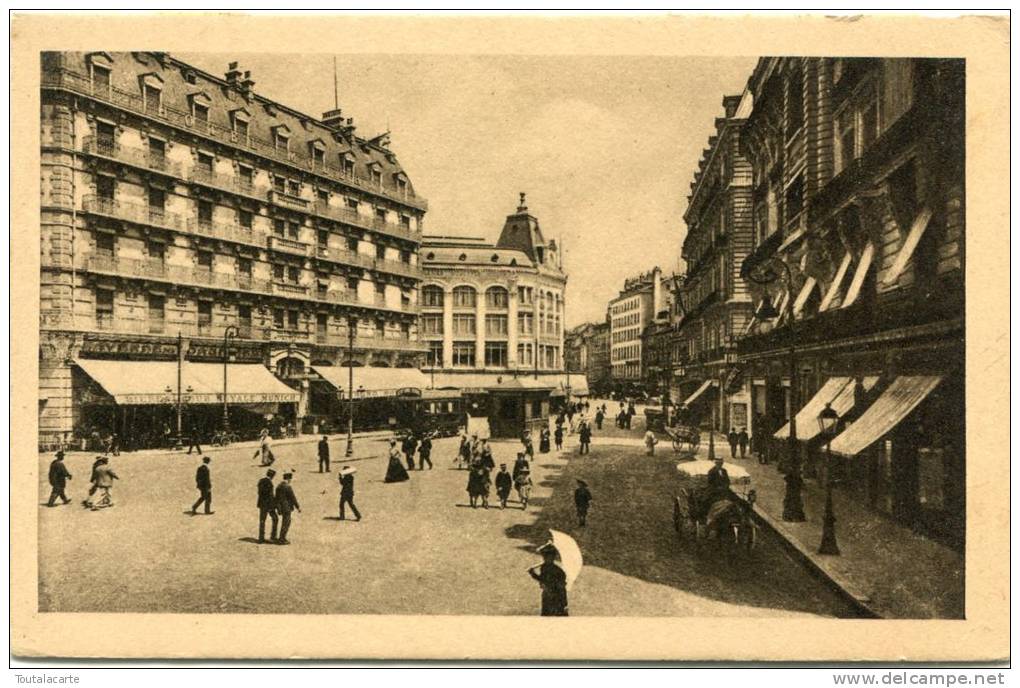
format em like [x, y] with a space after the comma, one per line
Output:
[374, 382]
[576, 383]
[479, 382]
[837, 282]
[894, 404]
[700, 390]
[837, 391]
[802, 297]
[155, 382]
[909, 244]
[863, 265]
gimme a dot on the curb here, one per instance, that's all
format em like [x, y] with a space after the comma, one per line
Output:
[844, 589]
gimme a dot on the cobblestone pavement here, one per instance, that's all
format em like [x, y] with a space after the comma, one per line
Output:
[420, 549]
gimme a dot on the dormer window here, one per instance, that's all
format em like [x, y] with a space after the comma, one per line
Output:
[201, 113]
[239, 121]
[153, 98]
[318, 152]
[100, 68]
[281, 139]
[346, 164]
[375, 173]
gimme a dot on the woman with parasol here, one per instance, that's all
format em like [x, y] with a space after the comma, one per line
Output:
[556, 578]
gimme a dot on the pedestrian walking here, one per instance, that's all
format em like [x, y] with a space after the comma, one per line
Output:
[650, 441]
[203, 481]
[553, 581]
[503, 484]
[485, 456]
[324, 454]
[265, 451]
[286, 503]
[742, 441]
[584, 435]
[558, 437]
[529, 447]
[408, 446]
[113, 445]
[630, 413]
[463, 459]
[395, 471]
[193, 439]
[425, 452]
[478, 486]
[582, 501]
[543, 441]
[732, 438]
[267, 505]
[103, 482]
[58, 477]
[347, 492]
[600, 416]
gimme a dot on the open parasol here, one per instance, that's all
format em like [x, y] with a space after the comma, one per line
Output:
[571, 560]
[699, 469]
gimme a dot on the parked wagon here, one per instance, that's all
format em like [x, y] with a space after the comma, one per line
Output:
[701, 514]
[685, 439]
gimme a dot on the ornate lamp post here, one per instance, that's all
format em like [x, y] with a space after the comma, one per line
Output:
[793, 504]
[231, 331]
[828, 420]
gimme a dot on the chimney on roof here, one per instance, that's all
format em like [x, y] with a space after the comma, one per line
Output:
[730, 104]
[334, 119]
[233, 74]
[248, 85]
[523, 206]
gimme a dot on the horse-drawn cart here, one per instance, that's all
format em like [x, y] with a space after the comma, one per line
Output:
[685, 438]
[701, 513]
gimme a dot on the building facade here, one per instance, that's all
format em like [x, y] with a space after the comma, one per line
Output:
[629, 314]
[494, 309]
[857, 173]
[186, 217]
[586, 349]
[717, 304]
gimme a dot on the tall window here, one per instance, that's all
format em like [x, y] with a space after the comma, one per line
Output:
[105, 135]
[244, 315]
[495, 354]
[157, 151]
[497, 298]
[794, 102]
[204, 315]
[151, 95]
[432, 296]
[205, 212]
[100, 79]
[201, 113]
[464, 354]
[244, 218]
[524, 355]
[157, 308]
[432, 323]
[464, 297]
[157, 199]
[525, 295]
[495, 325]
[204, 162]
[104, 244]
[105, 187]
[104, 308]
[156, 251]
[463, 324]
[205, 260]
[434, 355]
[246, 176]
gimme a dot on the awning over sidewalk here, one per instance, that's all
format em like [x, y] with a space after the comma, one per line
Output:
[479, 382]
[894, 404]
[700, 390]
[837, 391]
[577, 384]
[373, 382]
[155, 382]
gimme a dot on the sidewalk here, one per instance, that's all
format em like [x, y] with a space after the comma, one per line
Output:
[887, 568]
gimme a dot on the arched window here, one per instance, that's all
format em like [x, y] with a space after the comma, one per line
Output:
[432, 295]
[497, 298]
[464, 297]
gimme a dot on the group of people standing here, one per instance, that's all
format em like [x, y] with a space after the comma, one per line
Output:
[738, 439]
[420, 442]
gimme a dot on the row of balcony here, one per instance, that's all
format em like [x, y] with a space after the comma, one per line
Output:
[183, 275]
[50, 320]
[148, 215]
[81, 84]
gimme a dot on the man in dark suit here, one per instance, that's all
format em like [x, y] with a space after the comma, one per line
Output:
[409, 445]
[425, 452]
[203, 481]
[718, 478]
[286, 502]
[324, 454]
[267, 505]
[347, 493]
[59, 475]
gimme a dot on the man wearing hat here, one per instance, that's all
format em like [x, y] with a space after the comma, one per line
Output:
[286, 502]
[267, 505]
[203, 481]
[582, 499]
[324, 454]
[59, 475]
[503, 484]
[553, 580]
[347, 492]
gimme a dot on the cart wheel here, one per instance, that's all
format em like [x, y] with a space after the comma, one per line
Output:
[678, 517]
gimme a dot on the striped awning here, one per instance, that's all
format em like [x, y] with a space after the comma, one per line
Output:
[894, 404]
[700, 390]
[155, 382]
[838, 392]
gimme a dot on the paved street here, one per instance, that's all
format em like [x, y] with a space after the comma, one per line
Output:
[420, 549]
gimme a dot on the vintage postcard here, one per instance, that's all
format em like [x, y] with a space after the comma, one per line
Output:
[392, 337]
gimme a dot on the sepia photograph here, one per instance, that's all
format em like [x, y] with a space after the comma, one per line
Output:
[503, 335]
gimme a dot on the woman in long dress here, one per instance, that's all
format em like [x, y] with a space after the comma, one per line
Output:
[478, 486]
[395, 471]
[543, 441]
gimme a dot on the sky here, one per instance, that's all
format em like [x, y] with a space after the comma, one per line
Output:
[604, 147]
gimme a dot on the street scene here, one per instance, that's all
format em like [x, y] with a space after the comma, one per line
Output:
[722, 359]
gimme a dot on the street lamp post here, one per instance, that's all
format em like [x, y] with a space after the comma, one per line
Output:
[828, 420]
[230, 331]
[350, 388]
[793, 504]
